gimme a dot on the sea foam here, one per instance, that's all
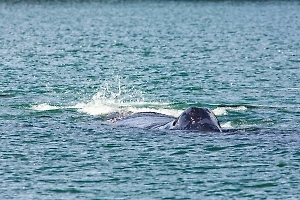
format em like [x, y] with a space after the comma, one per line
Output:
[44, 107]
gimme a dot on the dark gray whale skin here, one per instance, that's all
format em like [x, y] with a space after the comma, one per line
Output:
[192, 119]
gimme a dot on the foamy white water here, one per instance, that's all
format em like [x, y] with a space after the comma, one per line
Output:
[44, 107]
[219, 111]
[106, 106]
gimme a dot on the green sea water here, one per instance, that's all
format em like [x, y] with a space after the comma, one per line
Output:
[65, 66]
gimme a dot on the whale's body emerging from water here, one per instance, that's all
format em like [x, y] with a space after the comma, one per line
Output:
[193, 118]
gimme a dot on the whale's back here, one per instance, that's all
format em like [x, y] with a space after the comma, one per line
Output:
[145, 120]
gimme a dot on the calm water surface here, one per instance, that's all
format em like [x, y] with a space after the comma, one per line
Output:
[66, 66]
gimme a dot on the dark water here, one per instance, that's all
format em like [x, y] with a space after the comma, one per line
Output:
[66, 66]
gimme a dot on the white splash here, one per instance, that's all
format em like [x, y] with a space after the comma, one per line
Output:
[224, 110]
[114, 97]
[117, 98]
[226, 125]
[100, 105]
[44, 107]
[220, 111]
[239, 108]
[95, 108]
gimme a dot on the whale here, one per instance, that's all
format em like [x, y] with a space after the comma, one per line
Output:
[191, 119]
